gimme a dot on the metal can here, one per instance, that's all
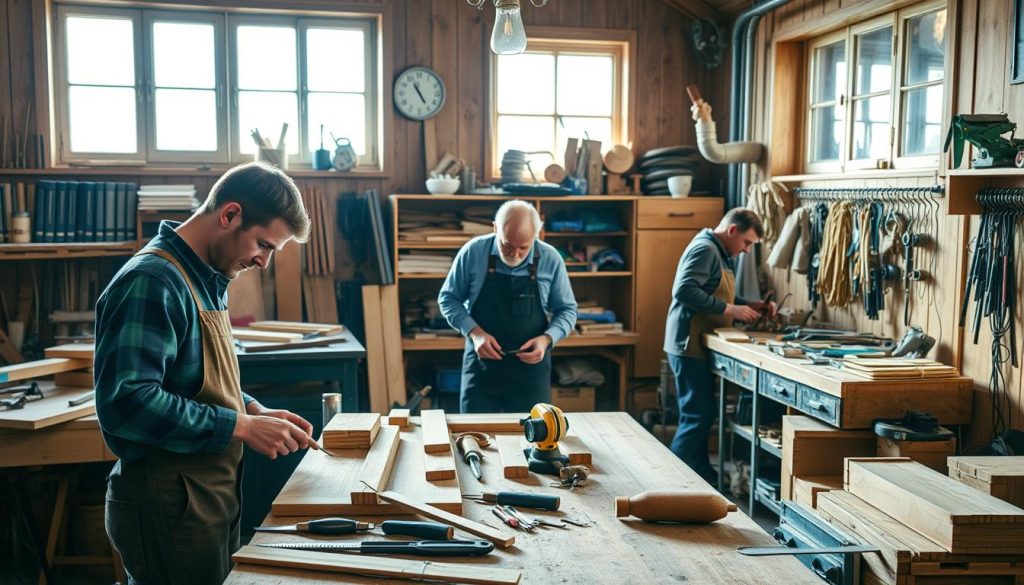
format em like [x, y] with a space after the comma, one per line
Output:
[331, 406]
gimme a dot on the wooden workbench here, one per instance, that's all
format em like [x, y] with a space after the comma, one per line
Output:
[627, 460]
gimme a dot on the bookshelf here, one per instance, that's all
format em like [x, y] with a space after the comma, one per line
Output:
[67, 251]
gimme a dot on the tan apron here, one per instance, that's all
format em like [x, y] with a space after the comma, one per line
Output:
[185, 508]
[702, 323]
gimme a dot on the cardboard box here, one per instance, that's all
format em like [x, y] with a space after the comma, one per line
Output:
[574, 398]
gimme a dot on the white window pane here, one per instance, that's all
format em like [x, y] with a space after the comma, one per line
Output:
[102, 119]
[596, 128]
[526, 84]
[926, 47]
[266, 111]
[100, 51]
[826, 133]
[266, 57]
[871, 123]
[186, 119]
[335, 60]
[585, 85]
[922, 123]
[344, 115]
[534, 134]
[183, 55]
[829, 72]
[874, 61]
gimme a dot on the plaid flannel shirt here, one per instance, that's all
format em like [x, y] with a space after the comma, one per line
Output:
[149, 356]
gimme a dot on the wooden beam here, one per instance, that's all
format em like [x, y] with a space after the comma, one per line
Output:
[39, 368]
[82, 351]
[399, 417]
[391, 326]
[377, 466]
[352, 431]
[436, 438]
[439, 466]
[499, 538]
[485, 423]
[375, 359]
[510, 451]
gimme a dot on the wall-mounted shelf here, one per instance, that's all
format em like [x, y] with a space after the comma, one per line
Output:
[607, 274]
[962, 186]
[855, 175]
[150, 171]
[66, 251]
[548, 235]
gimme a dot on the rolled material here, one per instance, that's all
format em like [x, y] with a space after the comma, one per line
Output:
[731, 152]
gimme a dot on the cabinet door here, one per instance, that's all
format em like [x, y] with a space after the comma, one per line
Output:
[657, 256]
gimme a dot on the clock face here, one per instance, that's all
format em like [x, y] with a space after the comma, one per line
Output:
[419, 93]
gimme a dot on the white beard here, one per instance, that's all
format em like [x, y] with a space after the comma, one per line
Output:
[510, 262]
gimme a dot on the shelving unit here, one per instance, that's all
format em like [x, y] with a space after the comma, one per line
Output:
[962, 186]
[67, 251]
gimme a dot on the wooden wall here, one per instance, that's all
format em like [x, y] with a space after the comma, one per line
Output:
[453, 38]
[980, 33]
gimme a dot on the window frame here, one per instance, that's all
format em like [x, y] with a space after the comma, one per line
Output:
[898, 19]
[225, 21]
[619, 43]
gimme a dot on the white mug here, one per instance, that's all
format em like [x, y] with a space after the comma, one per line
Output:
[679, 185]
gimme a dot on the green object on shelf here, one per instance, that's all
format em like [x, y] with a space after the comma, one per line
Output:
[985, 132]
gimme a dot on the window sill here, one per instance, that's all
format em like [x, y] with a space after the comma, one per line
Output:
[854, 175]
[153, 171]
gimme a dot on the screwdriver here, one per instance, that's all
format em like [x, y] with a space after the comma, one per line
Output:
[520, 499]
[338, 526]
[505, 517]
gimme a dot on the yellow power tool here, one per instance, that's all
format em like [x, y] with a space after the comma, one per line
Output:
[545, 427]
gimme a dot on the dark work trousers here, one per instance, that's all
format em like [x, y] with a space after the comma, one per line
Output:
[697, 412]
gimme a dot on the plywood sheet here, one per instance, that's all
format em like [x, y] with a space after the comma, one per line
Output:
[323, 485]
[297, 327]
[243, 334]
[49, 411]
[40, 368]
[82, 351]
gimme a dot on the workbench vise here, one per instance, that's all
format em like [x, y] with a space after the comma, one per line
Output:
[985, 132]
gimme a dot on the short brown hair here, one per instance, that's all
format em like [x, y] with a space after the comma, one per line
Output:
[744, 219]
[265, 194]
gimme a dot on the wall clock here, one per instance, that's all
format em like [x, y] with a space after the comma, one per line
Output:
[419, 93]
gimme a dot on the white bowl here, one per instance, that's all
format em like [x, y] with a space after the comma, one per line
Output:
[680, 185]
[442, 186]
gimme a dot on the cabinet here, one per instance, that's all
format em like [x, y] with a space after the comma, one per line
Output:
[665, 227]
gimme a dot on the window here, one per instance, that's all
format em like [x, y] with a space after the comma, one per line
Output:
[558, 90]
[875, 95]
[178, 86]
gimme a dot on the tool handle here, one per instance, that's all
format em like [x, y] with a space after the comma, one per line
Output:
[328, 526]
[429, 548]
[694, 92]
[425, 530]
[523, 500]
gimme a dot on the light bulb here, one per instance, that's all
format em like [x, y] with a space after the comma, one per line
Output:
[509, 35]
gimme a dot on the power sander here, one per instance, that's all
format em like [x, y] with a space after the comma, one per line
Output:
[545, 427]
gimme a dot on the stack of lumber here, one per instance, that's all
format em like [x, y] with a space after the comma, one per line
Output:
[274, 335]
[422, 318]
[1001, 477]
[419, 262]
[732, 335]
[351, 431]
[296, 327]
[593, 328]
[929, 453]
[318, 281]
[448, 227]
[814, 452]
[897, 368]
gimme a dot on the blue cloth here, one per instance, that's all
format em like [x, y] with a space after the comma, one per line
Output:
[466, 279]
[697, 412]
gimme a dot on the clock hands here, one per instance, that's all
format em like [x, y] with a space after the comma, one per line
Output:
[416, 86]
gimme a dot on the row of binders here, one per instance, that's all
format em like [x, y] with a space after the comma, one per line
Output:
[84, 211]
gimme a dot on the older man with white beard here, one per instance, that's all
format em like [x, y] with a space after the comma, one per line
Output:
[499, 294]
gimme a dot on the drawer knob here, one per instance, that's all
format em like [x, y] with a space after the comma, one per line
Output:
[681, 214]
[815, 405]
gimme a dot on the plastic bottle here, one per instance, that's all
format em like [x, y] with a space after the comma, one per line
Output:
[674, 506]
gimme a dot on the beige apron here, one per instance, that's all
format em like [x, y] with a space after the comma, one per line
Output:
[185, 508]
[702, 323]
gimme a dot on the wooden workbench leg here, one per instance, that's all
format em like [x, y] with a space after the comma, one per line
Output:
[721, 434]
[55, 523]
[753, 450]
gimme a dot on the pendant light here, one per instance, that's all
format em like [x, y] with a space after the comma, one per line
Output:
[509, 34]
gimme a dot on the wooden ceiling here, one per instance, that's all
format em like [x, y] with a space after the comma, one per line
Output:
[710, 8]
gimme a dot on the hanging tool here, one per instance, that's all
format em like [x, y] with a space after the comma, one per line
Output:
[21, 395]
[521, 499]
[545, 426]
[910, 274]
[469, 445]
[423, 548]
[339, 526]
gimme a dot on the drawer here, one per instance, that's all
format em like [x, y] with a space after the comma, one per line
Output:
[688, 212]
[721, 365]
[744, 375]
[818, 404]
[778, 388]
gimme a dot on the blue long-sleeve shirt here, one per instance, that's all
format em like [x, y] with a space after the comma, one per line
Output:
[466, 279]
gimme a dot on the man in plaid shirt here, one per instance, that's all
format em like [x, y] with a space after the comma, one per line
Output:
[167, 390]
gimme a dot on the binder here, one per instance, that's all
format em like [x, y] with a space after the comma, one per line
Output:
[39, 211]
[86, 211]
[132, 194]
[60, 219]
[109, 211]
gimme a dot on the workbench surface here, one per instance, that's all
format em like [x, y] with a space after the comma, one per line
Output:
[627, 461]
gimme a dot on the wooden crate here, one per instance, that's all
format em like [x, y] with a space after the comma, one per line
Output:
[811, 449]
[1001, 477]
[909, 558]
[931, 454]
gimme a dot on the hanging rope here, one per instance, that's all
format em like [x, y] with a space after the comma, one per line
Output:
[834, 283]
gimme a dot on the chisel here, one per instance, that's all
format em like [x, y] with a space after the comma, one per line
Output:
[338, 526]
[520, 499]
[423, 548]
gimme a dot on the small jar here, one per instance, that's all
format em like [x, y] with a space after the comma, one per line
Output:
[21, 228]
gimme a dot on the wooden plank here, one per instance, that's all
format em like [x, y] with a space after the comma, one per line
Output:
[82, 351]
[245, 295]
[444, 40]
[812, 448]
[73, 380]
[375, 360]
[436, 436]
[955, 516]
[351, 431]
[377, 466]
[244, 334]
[8, 351]
[326, 302]
[486, 423]
[416, 570]
[806, 489]
[1001, 477]
[51, 410]
[296, 327]
[577, 452]
[288, 282]
[439, 466]
[399, 417]
[499, 538]
[931, 454]
[39, 368]
[77, 441]
[322, 485]
[391, 325]
[510, 451]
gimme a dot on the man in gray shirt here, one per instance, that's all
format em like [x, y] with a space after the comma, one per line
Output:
[703, 299]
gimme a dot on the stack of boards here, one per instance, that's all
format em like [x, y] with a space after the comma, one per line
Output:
[659, 164]
[56, 406]
[897, 368]
[275, 335]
